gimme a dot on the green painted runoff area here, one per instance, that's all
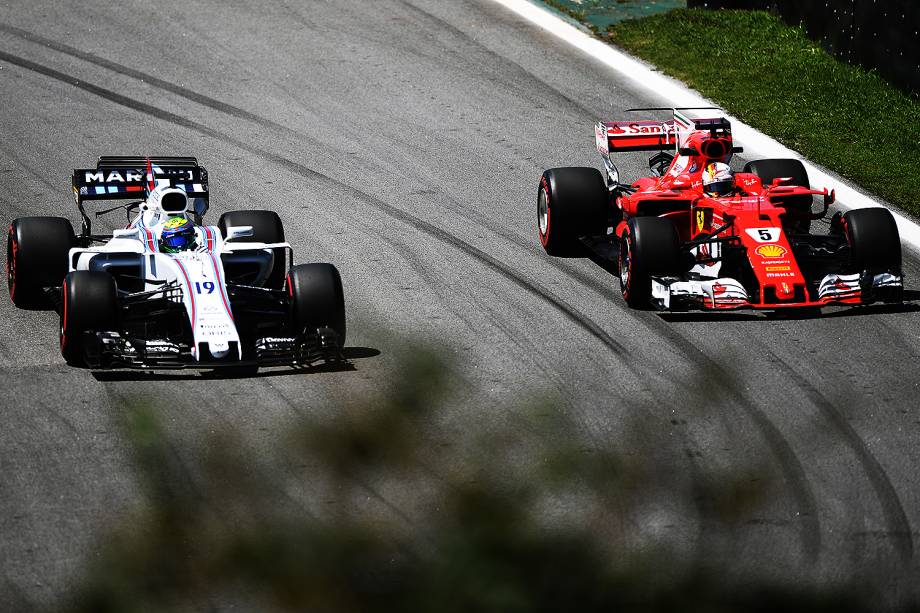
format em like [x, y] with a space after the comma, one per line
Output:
[599, 14]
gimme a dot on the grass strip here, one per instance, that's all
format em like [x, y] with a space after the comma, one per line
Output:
[772, 77]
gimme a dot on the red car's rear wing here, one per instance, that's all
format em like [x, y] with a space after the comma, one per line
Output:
[646, 135]
[650, 134]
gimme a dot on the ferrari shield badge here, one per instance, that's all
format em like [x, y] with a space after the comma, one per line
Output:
[700, 220]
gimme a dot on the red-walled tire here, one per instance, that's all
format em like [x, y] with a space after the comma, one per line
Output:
[89, 302]
[571, 203]
[650, 246]
[36, 258]
[317, 299]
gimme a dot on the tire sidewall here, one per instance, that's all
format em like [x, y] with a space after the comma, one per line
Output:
[316, 299]
[88, 302]
[544, 191]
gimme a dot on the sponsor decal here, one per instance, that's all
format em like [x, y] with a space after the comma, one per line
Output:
[786, 289]
[778, 268]
[600, 139]
[114, 176]
[770, 251]
[635, 129]
[779, 275]
[680, 164]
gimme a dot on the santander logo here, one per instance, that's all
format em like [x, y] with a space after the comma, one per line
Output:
[635, 129]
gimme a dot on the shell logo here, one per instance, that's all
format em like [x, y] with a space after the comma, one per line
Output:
[771, 251]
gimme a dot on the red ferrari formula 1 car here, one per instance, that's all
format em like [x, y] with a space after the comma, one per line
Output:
[695, 235]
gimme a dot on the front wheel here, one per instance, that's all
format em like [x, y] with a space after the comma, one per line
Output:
[89, 304]
[650, 246]
[317, 299]
[875, 243]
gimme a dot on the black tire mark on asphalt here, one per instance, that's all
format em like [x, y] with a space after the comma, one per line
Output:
[149, 79]
[791, 467]
[485, 68]
[566, 309]
[893, 510]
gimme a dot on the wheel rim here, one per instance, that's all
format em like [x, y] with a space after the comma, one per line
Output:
[11, 264]
[543, 212]
[625, 263]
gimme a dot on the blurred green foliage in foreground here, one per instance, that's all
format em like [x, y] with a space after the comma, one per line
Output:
[383, 506]
[771, 76]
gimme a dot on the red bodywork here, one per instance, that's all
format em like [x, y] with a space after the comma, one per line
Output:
[755, 216]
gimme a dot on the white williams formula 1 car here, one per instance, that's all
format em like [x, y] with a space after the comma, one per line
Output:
[167, 291]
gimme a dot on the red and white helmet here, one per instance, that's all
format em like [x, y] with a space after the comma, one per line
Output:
[718, 179]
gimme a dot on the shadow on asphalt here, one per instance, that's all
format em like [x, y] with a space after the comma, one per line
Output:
[346, 365]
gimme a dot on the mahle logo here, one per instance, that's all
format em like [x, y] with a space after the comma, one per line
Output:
[771, 251]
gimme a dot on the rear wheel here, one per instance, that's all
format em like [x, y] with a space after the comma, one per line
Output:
[36, 257]
[266, 228]
[650, 247]
[571, 203]
[317, 299]
[875, 244]
[89, 303]
[799, 206]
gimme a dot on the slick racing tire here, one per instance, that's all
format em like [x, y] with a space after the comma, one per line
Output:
[768, 170]
[875, 244]
[649, 247]
[266, 228]
[571, 203]
[317, 299]
[36, 257]
[89, 302]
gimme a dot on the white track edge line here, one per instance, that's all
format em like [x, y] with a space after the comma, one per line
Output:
[676, 93]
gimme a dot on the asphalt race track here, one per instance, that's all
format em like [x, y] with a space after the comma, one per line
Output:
[404, 144]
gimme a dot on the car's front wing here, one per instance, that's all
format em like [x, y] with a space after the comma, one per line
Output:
[112, 350]
[674, 294]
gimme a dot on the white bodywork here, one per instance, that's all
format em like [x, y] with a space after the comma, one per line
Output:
[198, 272]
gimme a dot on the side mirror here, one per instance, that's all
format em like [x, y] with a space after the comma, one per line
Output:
[238, 232]
[779, 181]
[124, 233]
